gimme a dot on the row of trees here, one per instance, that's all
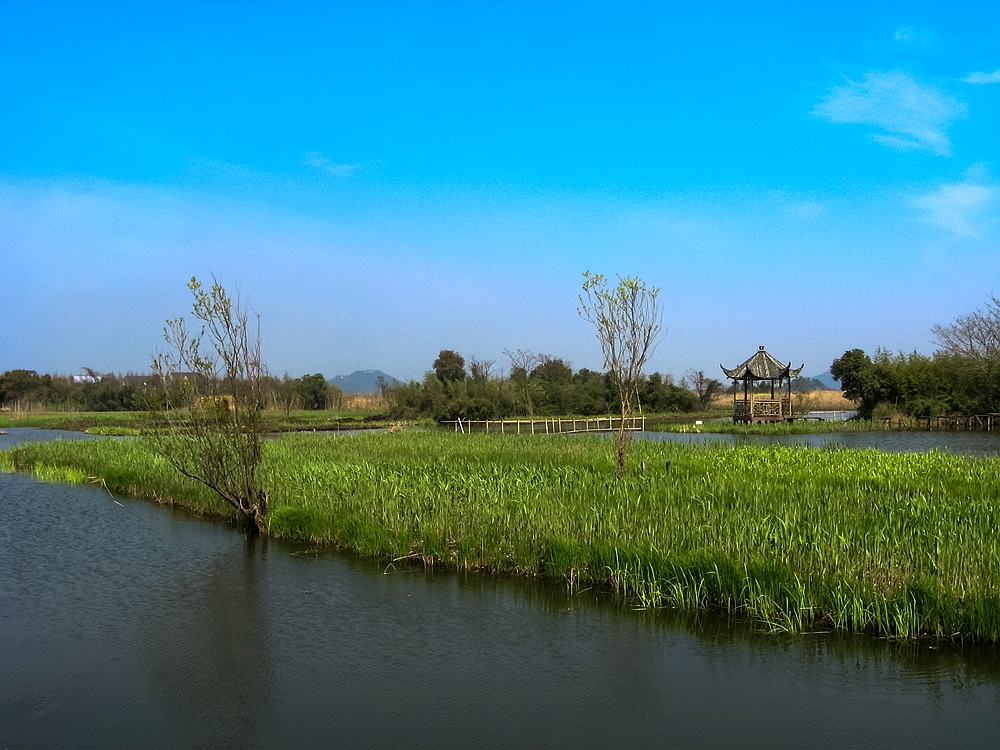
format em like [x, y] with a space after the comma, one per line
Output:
[918, 385]
[962, 376]
[537, 385]
[25, 389]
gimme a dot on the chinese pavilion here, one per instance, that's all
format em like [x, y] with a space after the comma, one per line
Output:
[754, 407]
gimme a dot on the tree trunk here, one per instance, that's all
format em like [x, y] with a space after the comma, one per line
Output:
[622, 440]
[253, 512]
[253, 524]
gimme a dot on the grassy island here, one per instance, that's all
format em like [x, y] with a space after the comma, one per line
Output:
[798, 427]
[897, 544]
[130, 422]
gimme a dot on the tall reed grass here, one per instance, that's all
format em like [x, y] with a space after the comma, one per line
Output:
[897, 544]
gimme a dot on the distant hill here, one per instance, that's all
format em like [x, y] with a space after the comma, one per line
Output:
[827, 379]
[805, 385]
[361, 381]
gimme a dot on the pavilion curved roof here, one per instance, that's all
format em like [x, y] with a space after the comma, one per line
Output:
[762, 366]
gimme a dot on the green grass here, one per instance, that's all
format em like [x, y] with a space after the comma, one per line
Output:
[72, 420]
[799, 427]
[896, 544]
[129, 422]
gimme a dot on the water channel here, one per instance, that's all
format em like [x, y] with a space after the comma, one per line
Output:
[126, 624]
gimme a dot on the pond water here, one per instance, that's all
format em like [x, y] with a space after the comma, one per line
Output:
[125, 624]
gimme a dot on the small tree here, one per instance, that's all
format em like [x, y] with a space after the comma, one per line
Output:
[449, 366]
[705, 387]
[312, 390]
[207, 421]
[521, 364]
[481, 370]
[627, 319]
[850, 370]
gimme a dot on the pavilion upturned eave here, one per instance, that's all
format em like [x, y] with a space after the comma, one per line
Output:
[762, 366]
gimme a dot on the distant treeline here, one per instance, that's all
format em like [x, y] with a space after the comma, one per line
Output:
[537, 385]
[26, 389]
[918, 385]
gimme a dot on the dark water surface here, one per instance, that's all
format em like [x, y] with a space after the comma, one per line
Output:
[124, 624]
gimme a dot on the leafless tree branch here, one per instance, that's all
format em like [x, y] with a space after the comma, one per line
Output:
[628, 321]
[206, 416]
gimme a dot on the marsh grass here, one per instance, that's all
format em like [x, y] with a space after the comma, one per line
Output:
[130, 422]
[897, 544]
[71, 420]
[801, 427]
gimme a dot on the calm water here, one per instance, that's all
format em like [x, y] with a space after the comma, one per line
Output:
[124, 624]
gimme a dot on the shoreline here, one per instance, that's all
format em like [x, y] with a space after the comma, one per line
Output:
[786, 536]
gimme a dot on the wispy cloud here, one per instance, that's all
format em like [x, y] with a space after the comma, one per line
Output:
[993, 77]
[912, 114]
[320, 162]
[910, 34]
[956, 207]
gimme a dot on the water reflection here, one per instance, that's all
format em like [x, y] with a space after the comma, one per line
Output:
[208, 650]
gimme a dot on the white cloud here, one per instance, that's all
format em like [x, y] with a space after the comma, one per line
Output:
[317, 160]
[913, 115]
[912, 35]
[993, 77]
[956, 207]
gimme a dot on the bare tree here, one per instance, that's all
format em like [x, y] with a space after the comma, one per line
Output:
[207, 420]
[976, 335]
[481, 370]
[627, 319]
[522, 359]
[521, 364]
[705, 387]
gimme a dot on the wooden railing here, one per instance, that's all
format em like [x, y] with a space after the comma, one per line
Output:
[763, 408]
[547, 426]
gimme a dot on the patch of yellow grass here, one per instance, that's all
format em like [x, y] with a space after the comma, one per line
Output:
[364, 402]
[822, 401]
[802, 402]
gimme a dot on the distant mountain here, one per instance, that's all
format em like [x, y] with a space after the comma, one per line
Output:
[806, 385]
[827, 379]
[361, 381]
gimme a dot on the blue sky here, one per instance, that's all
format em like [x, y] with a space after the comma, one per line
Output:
[387, 180]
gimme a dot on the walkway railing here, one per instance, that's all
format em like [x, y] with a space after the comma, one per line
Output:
[547, 426]
[949, 422]
[820, 416]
